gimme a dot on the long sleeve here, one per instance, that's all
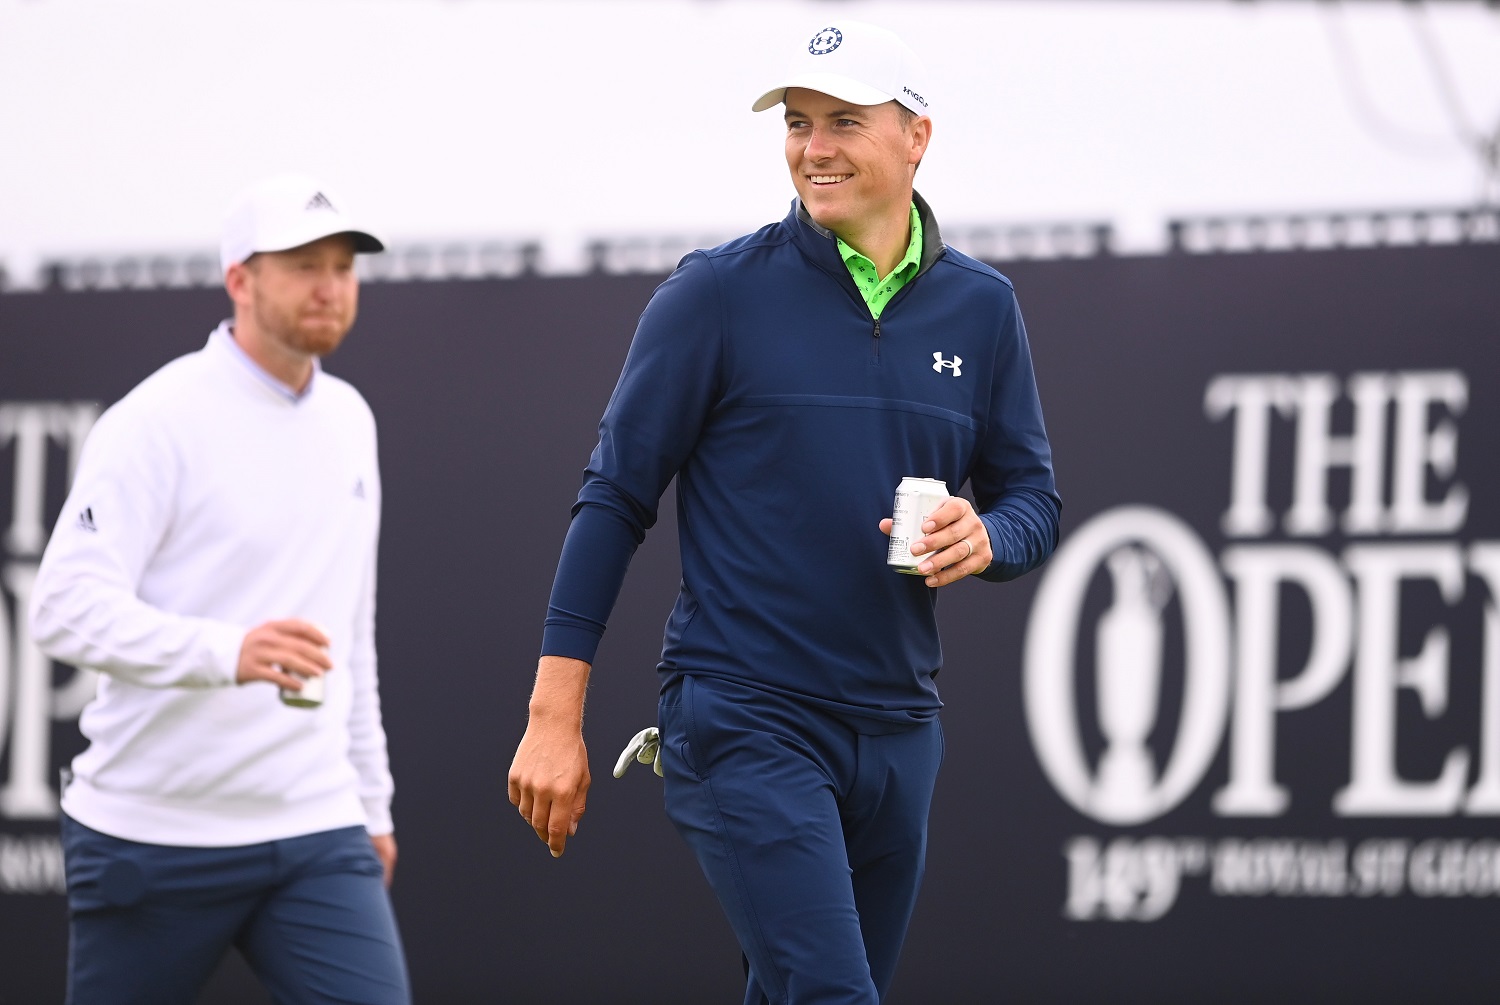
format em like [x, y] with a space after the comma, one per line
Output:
[1012, 480]
[85, 609]
[666, 391]
[367, 743]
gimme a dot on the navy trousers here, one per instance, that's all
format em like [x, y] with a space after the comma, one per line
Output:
[148, 924]
[812, 833]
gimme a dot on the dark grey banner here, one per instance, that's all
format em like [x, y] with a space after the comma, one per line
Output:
[1239, 741]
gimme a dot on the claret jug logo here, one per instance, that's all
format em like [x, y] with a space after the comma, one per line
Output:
[39, 446]
[1094, 683]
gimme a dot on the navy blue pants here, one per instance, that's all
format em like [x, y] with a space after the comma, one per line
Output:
[812, 833]
[149, 924]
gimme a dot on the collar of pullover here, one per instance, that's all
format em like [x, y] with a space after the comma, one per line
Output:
[821, 245]
[224, 336]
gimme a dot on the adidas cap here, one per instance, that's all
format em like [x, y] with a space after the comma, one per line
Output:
[856, 62]
[286, 211]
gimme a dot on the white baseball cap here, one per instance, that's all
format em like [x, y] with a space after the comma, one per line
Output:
[857, 62]
[282, 212]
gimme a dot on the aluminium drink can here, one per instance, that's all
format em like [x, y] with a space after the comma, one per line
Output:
[916, 498]
[311, 695]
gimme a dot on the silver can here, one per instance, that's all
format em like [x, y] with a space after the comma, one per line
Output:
[311, 695]
[916, 498]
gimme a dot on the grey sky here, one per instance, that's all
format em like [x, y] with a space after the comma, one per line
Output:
[127, 125]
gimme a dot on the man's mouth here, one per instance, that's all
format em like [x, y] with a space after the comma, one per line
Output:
[828, 179]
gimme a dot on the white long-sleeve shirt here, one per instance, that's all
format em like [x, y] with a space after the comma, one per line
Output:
[208, 500]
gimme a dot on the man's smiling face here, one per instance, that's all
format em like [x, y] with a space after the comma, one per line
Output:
[851, 164]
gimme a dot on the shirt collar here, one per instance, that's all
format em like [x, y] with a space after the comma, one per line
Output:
[912, 258]
[225, 333]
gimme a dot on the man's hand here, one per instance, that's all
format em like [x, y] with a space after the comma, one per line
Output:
[549, 778]
[957, 540]
[278, 651]
[385, 850]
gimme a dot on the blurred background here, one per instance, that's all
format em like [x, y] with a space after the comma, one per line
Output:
[127, 126]
[1239, 741]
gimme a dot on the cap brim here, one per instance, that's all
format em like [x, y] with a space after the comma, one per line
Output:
[364, 243]
[834, 84]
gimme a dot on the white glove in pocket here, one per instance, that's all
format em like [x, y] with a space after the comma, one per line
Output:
[645, 747]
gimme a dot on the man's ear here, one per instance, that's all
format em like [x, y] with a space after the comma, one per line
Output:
[237, 279]
[921, 135]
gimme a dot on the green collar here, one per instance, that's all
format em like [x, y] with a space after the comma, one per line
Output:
[878, 290]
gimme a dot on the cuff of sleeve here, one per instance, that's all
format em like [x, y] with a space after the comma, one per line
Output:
[570, 641]
[378, 817]
[222, 643]
[997, 571]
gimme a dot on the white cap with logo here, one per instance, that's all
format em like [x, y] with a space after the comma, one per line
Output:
[284, 212]
[856, 62]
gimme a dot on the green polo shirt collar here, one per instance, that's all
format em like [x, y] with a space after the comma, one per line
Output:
[878, 290]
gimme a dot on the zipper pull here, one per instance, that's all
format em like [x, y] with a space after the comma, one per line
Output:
[877, 327]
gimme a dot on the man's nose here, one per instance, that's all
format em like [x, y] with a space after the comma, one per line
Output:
[326, 287]
[820, 145]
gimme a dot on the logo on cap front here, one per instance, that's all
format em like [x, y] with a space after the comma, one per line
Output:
[825, 41]
[319, 201]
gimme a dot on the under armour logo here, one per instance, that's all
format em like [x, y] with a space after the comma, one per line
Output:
[951, 364]
[825, 41]
[319, 201]
[86, 520]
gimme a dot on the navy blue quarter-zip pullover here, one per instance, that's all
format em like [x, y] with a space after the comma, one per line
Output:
[758, 378]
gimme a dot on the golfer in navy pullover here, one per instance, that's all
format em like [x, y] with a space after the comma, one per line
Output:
[789, 380]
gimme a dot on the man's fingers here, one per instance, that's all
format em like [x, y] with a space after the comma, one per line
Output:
[954, 549]
[538, 816]
[299, 629]
[563, 822]
[282, 678]
[525, 804]
[559, 826]
[278, 651]
[294, 635]
[553, 817]
[270, 673]
[300, 657]
[948, 538]
[960, 563]
[952, 510]
[952, 573]
[274, 658]
[886, 525]
[946, 525]
[952, 564]
[280, 661]
[539, 811]
[548, 778]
